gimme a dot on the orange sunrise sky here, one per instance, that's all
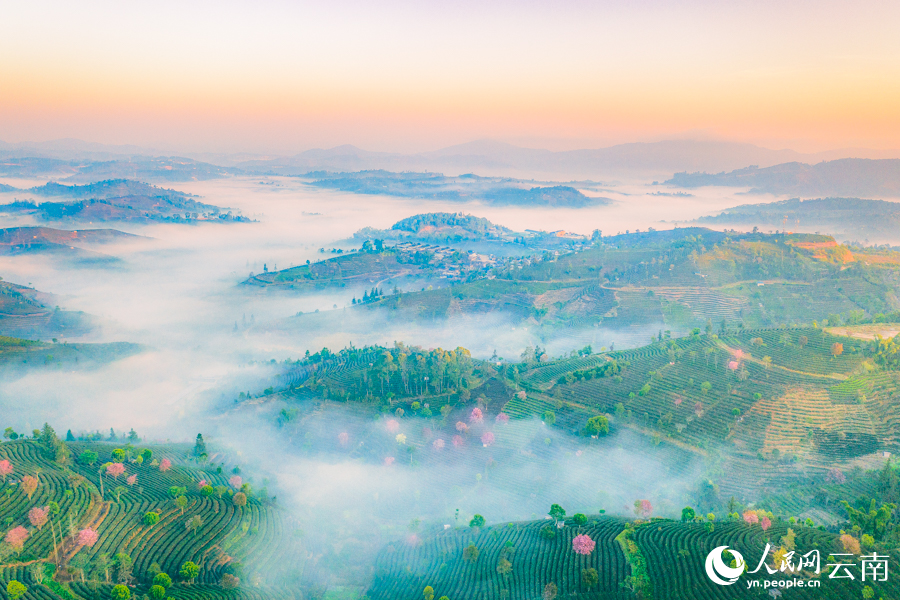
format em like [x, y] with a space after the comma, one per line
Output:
[282, 77]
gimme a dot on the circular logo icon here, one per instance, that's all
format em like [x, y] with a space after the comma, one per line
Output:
[718, 571]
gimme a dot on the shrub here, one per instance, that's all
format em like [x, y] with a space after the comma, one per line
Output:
[151, 518]
[548, 532]
[120, 592]
[162, 580]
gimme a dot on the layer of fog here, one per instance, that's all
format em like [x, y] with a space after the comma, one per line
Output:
[178, 293]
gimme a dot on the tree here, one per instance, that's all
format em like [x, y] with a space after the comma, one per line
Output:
[550, 591]
[165, 465]
[6, 469]
[189, 571]
[470, 553]
[16, 537]
[583, 544]
[88, 457]
[124, 564]
[15, 590]
[589, 578]
[428, 593]
[157, 592]
[194, 524]
[549, 418]
[557, 512]
[598, 425]
[115, 469]
[579, 519]
[229, 581]
[548, 532]
[88, 537]
[688, 514]
[837, 349]
[181, 502]
[162, 580]
[151, 518]
[120, 592]
[477, 521]
[240, 499]
[29, 485]
[207, 490]
[118, 455]
[38, 517]
[199, 446]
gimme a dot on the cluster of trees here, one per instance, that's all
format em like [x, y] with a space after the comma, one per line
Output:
[609, 369]
[369, 296]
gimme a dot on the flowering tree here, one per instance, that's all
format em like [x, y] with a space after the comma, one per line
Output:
[835, 475]
[38, 517]
[520, 394]
[438, 444]
[393, 426]
[115, 469]
[236, 481]
[457, 441]
[388, 460]
[16, 537]
[29, 485]
[487, 439]
[477, 416]
[6, 468]
[132, 479]
[202, 484]
[765, 523]
[751, 518]
[88, 537]
[503, 418]
[400, 438]
[678, 401]
[343, 438]
[165, 464]
[733, 365]
[643, 508]
[461, 427]
[583, 544]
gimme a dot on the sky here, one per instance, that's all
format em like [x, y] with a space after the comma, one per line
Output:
[400, 75]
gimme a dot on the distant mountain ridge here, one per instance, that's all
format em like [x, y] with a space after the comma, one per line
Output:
[844, 177]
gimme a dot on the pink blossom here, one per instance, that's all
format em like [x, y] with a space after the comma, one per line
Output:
[38, 517]
[115, 469]
[678, 401]
[165, 465]
[132, 479]
[438, 444]
[87, 537]
[16, 537]
[461, 427]
[201, 484]
[738, 353]
[733, 365]
[235, 481]
[583, 544]
[457, 441]
[6, 468]
[750, 518]
[503, 418]
[835, 475]
[477, 416]
[765, 523]
[645, 508]
[393, 426]
[388, 461]
[343, 438]
[487, 439]
[413, 540]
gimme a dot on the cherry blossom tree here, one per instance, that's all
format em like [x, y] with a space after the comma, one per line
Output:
[733, 365]
[115, 469]
[835, 475]
[6, 468]
[16, 537]
[765, 523]
[132, 479]
[236, 481]
[487, 439]
[87, 537]
[388, 460]
[457, 441]
[165, 464]
[343, 438]
[29, 485]
[38, 517]
[393, 426]
[202, 484]
[643, 508]
[438, 444]
[503, 418]
[751, 518]
[583, 544]
[477, 416]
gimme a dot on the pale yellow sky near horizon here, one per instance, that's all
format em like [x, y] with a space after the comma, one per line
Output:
[408, 76]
